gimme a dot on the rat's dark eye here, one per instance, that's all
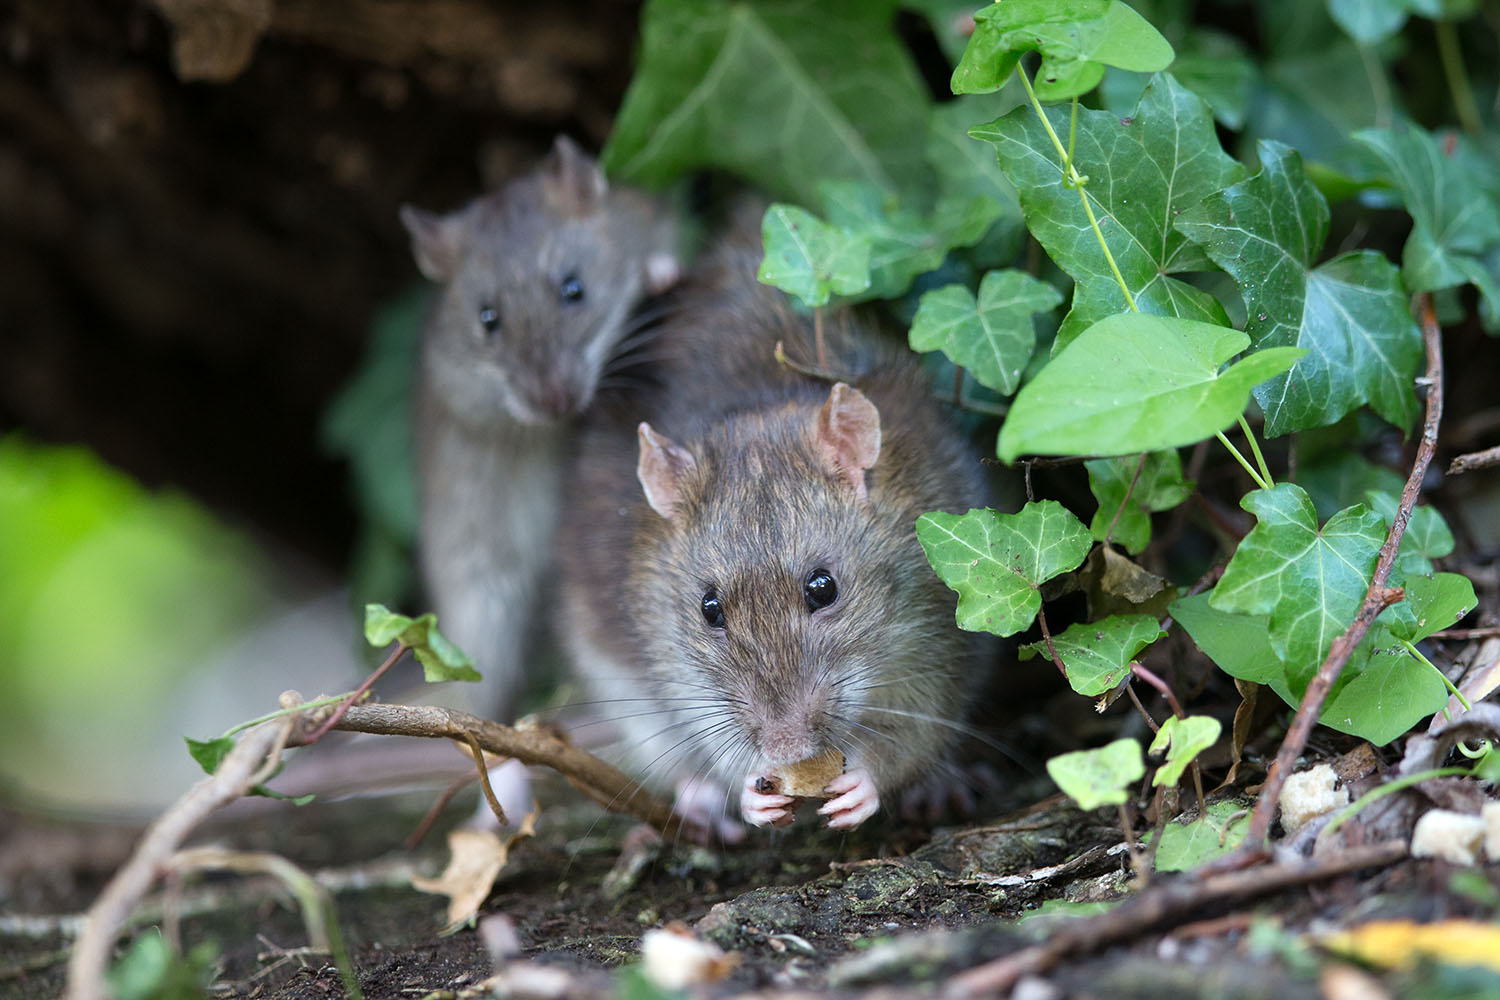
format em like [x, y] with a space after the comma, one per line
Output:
[570, 289]
[489, 318]
[820, 589]
[713, 611]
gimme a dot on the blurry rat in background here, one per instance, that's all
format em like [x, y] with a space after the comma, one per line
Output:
[741, 581]
[540, 283]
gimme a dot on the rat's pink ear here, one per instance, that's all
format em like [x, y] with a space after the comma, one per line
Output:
[572, 181]
[662, 466]
[848, 436]
[437, 242]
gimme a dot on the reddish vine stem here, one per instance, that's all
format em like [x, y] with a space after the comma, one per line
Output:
[1109, 534]
[356, 695]
[1161, 687]
[1377, 599]
[1474, 460]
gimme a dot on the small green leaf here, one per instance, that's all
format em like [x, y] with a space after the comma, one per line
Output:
[1310, 582]
[1094, 778]
[1239, 644]
[1133, 383]
[991, 336]
[1185, 846]
[1435, 602]
[1096, 655]
[1343, 477]
[209, 753]
[1455, 219]
[1387, 693]
[810, 259]
[1159, 486]
[1350, 314]
[1427, 536]
[440, 659]
[151, 970]
[996, 562]
[1183, 739]
[1143, 170]
[1077, 39]
[994, 48]
[903, 245]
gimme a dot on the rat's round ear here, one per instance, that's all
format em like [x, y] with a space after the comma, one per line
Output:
[848, 436]
[437, 242]
[572, 181]
[661, 470]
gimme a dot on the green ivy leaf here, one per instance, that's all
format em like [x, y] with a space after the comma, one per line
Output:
[1132, 383]
[151, 970]
[1094, 778]
[440, 659]
[1185, 846]
[810, 259]
[1077, 39]
[211, 753]
[1387, 693]
[1380, 694]
[902, 244]
[1142, 171]
[1436, 602]
[1343, 477]
[1350, 313]
[782, 92]
[996, 562]
[1310, 582]
[1159, 486]
[991, 336]
[1096, 655]
[1455, 219]
[1427, 536]
[1183, 739]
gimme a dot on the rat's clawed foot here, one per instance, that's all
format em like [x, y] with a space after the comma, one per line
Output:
[765, 808]
[855, 800]
[703, 804]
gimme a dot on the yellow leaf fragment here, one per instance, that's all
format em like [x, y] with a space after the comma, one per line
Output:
[475, 860]
[1392, 944]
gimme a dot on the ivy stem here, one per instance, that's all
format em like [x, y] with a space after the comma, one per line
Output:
[1452, 58]
[1260, 459]
[356, 694]
[1414, 651]
[1241, 459]
[1073, 179]
[1380, 89]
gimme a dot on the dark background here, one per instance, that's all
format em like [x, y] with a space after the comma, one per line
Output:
[198, 214]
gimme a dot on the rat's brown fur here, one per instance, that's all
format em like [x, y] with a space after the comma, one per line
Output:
[757, 509]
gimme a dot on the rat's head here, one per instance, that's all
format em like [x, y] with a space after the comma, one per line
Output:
[791, 593]
[540, 279]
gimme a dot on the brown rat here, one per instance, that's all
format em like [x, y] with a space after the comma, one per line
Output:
[539, 282]
[740, 572]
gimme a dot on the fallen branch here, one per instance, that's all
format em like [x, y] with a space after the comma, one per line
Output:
[240, 770]
[606, 785]
[1474, 460]
[1158, 905]
[1377, 599]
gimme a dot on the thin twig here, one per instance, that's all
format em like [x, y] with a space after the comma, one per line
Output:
[1109, 533]
[1041, 618]
[484, 779]
[233, 778]
[1487, 632]
[1377, 599]
[601, 782]
[1162, 903]
[1161, 686]
[356, 694]
[1474, 460]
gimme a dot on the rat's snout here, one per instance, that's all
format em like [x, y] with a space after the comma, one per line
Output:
[788, 738]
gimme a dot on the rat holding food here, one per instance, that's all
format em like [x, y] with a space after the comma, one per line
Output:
[539, 282]
[740, 572]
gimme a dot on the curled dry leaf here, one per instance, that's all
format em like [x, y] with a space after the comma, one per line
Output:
[806, 779]
[475, 860]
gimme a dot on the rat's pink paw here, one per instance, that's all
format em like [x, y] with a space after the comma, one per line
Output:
[856, 800]
[765, 808]
[703, 804]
